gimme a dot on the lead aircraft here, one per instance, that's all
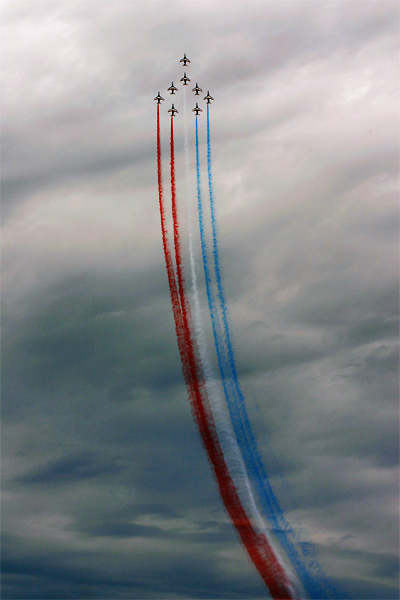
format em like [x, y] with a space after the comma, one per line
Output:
[184, 60]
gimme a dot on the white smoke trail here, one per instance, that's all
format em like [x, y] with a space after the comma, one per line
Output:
[221, 416]
[222, 419]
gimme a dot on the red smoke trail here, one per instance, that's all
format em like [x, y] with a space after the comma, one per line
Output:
[168, 258]
[257, 546]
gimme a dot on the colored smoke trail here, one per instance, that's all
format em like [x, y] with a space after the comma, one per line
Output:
[301, 555]
[256, 545]
[198, 321]
[221, 417]
[167, 253]
[220, 350]
[247, 491]
[224, 426]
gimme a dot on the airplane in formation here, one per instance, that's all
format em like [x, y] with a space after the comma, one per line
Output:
[158, 98]
[172, 110]
[184, 60]
[197, 109]
[172, 89]
[185, 79]
[197, 89]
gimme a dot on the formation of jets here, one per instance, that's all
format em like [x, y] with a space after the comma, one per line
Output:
[172, 89]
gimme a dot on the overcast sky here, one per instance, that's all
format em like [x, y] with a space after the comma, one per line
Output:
[107, 493]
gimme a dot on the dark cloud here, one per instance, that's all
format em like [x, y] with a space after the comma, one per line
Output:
[69, 469]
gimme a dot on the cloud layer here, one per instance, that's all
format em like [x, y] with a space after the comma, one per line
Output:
[107, 490]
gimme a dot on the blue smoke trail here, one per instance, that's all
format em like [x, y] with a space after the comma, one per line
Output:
[222, 359]
[233, 455]
[317, 586]
[215, 322]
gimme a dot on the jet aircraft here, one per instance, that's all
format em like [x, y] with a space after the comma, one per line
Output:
[172, 110]
[184, 60]
[196, 89]
[172, 89]
[185, 79]
[197, 109]
[158, 98]
[208, 98]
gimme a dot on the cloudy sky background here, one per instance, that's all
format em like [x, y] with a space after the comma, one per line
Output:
[106, 488]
